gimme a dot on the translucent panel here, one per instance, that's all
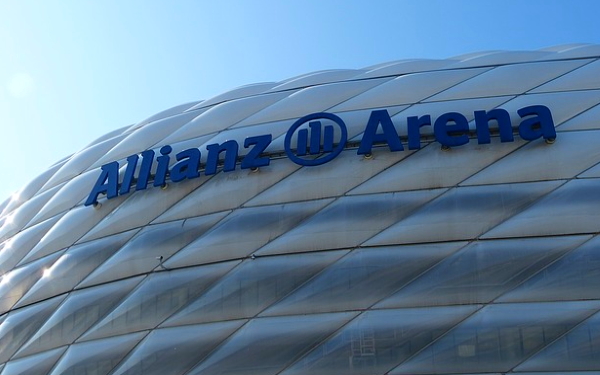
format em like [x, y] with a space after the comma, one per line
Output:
[405, 67]
[586, 77]
[253, 286]
[499, 58]
[573, 51]
[222, 116]
[140, 208]
[226, 191]
[24, 195]
[159, 296]
[143, 253]
[571, 154]
[146, 136]
[34, 365]
[167, 113]
[69, 195]
[18, 219]
[134, 127]
[21, 324]
[482, 271]
[73, 266]
[240, 92]
[349, 221]
[80, 161]
[476, 54]
[14, 249]
[96, 357]
[175, 350]
[244, 231]
[464, 213]
[565, 48]
[587, 120]
[571, 209]
[498, 337]
[578, 350]
[318, 78]
[593, 172]
[111, 134]
[377, 341]
[342, 174]
[397, 62]
[312, 99]
[408, 89]
[362, 278]
[79, 312]
[71, 227]
[509, 80]
[14, 284]
[576, 276]
[268, 345]
[4, 219]
[5, 203]
[432, 167]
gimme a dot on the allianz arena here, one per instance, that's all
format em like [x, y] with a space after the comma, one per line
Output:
[414, 217]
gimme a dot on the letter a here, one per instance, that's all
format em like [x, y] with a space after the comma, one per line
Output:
[389, 135]
[539, 125]
[107, 183]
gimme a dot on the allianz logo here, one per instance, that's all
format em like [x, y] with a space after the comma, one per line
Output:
[316, 139]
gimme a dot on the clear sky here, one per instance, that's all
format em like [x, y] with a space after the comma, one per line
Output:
[73, 70]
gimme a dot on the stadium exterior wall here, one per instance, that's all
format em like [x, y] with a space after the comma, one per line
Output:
[368, 221]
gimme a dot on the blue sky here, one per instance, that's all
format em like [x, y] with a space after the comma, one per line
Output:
[71, 71]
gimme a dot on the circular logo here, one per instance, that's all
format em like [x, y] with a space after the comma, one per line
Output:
[316, 139]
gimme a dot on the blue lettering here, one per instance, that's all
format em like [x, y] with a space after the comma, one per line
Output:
[482, 123]
[413, 125]
[540, 125]
[302, 141]
[253, 159]
[145, 168]
[451, 129]
[106, 183]
[231, 151]
[128, 178]
[163, 166]
[389, 135]
[187, 166]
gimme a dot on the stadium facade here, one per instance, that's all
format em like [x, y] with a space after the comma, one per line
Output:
[414, 217]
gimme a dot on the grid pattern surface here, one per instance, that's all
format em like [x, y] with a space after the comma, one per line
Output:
[481, 259]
